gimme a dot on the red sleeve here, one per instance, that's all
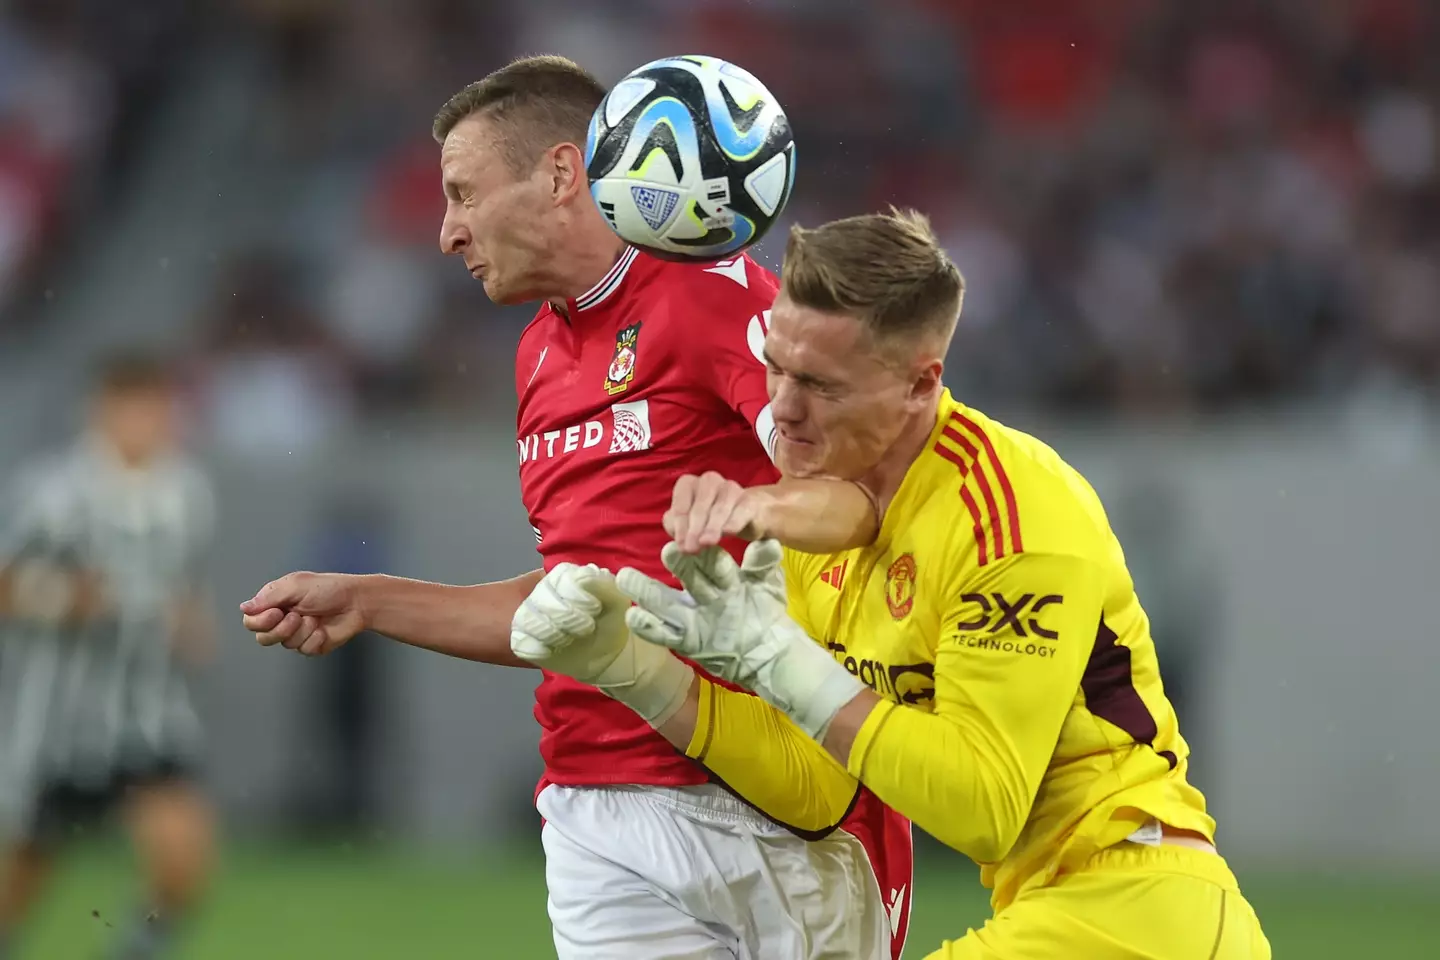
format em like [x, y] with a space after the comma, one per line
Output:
[738, 295]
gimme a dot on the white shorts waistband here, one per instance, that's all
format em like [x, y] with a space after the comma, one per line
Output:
[706, 801]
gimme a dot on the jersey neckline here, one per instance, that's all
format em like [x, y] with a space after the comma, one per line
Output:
[607, 286]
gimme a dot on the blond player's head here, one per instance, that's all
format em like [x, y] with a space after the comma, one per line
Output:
[857, 340]
[518, 209]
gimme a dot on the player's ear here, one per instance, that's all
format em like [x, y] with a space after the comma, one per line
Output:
[567, 172]
[927, 381]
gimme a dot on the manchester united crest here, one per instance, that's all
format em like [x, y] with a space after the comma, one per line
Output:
[622, 364]
[900, 586]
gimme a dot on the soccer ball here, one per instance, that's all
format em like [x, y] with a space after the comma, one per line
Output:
[690, 158]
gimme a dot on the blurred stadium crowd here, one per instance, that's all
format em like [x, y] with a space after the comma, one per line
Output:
[73, 81]
[1158, 206]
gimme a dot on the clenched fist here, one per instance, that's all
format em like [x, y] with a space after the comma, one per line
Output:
[313, 613]
[707, 508]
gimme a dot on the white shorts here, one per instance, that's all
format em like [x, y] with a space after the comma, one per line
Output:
[692, 873]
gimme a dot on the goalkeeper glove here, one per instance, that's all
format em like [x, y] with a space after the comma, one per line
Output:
[734, 624]
[573, 623]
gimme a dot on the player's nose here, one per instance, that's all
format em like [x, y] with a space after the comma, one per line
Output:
[786, 404]
[454, 238]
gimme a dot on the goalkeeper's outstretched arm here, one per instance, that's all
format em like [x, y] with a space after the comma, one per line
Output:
[987, 744]
[574, 623]
[760, 754]
[968, 772]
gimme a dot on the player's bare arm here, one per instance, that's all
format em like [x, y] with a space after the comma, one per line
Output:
[810, 515]
[315, 613]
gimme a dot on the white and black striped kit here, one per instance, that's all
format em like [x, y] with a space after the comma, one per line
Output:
[82, 706]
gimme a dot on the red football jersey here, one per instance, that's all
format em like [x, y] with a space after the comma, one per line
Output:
[654, 373]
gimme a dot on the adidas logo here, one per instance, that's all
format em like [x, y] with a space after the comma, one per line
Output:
[835, 576]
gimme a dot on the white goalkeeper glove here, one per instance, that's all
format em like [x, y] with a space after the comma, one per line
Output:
[573, 623]
[737, 628]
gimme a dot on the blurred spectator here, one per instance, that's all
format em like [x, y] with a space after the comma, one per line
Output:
[270, 383]
[74, 78]
[54, 106]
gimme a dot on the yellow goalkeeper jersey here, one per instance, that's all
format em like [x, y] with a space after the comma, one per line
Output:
[1025, 723]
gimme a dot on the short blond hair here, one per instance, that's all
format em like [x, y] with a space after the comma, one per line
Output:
[534, 103]
[885, 269]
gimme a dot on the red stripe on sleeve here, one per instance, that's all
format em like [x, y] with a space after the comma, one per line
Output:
[1011, 509]
[983, 482]
[970, 504]
[954, 458]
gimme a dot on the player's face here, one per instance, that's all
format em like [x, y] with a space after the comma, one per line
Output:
[495, 220]
[839, 404]
[139, 424]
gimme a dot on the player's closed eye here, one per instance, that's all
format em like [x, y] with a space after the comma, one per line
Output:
[806, 382]
[824, 389]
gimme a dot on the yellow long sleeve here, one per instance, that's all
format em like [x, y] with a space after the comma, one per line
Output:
[968, 773]
[760, 754]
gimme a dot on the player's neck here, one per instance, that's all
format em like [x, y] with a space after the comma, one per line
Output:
[885, 479]
[586, 259]
[117, 456]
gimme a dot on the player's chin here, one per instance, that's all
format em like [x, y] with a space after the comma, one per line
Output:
[799, 459]
[502, 293]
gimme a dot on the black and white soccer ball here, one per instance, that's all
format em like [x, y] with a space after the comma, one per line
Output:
[690, 158]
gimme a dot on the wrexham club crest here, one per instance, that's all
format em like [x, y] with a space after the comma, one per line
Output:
[622, 365]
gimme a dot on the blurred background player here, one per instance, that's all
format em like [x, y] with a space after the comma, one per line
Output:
[103, 613]
[634, 371]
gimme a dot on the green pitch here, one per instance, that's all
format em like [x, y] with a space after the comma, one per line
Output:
[305, 903]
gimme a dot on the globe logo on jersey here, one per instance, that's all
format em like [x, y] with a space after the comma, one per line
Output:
[900, 586]
[632, 427]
